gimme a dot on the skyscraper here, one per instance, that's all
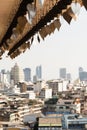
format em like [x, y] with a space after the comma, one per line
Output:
[62, 73]
[39, 72]
[68, 76]
[81, 69]
[82, 74]
[27, 74]
[3, 71]
[5, 78]
[17, 74]
[9, 76]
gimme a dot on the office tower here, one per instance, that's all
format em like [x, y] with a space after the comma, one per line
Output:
[3, 71]
[39, 72]
[68, 76]
[34, 79]
[81, 69]
[3, 79]
[63, 73]
[83, 76]
[27, 74]
[8, 76]
[17, 74]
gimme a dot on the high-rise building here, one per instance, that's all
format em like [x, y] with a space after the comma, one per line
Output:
[83, 76]
[3, 71]
[34, 79]
[27, 74]
[5, 78]
[8, 76]
[39, 72]
[80, 69]
[68, 76]
[17, 74]
[63, 73]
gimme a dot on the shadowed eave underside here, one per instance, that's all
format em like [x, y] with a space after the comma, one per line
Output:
[17, 33]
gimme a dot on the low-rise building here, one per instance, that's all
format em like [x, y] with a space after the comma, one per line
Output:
[45, 93]
[28, 94]
[58, 85]
[53, 123]
[74, 122]
[39, 85]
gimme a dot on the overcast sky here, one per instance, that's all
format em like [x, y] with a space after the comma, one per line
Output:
[65, 48]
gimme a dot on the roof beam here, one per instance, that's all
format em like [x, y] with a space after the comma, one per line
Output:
[62, 4]
[21, 11]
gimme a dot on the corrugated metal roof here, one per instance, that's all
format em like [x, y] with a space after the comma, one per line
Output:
[50, 121]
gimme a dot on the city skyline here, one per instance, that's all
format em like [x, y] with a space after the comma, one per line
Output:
[63, 49]
[28, 76]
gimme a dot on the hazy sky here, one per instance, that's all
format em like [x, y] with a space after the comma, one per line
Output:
[64, 48]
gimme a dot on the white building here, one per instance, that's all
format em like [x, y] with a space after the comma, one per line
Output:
[13, 90]
[32, 95]
[86, 88]
[65, 83]
[45, 93]
[58, 85]
[39, 85]
[4, 79]
[17, 74]
[77, 87]
[16, 90]
[28, 95]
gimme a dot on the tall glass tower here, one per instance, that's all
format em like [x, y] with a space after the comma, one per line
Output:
[27, 74]
[17, 74]
[63, 73]
[39, 72]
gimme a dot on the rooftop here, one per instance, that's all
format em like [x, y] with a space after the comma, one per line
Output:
[50, 121]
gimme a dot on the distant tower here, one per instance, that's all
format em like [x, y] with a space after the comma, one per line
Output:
[68, 76]
[5, 74]
[3, 79]
[63, 73]
[82, 74]
[27, 74]
[81, 69]
[3, 71]
[17, 74]
[34, 78]
[9, 76]
[39, 72]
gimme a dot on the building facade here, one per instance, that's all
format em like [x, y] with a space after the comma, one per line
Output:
[39, 72]
[17, 74]
[45, 93]
[62, 73]
[68, 76]
[27, 74]
[83, 76]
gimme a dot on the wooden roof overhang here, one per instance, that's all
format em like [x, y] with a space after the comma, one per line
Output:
[47, 18]
[19, 10]
[44, 23]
